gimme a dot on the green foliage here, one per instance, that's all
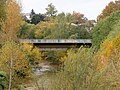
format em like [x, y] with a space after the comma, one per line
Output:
[32, 13]
[79, 33]
[54, 56]
[102, 29]
[3, 80]
[61, 27]
[27, 31]
[115, 32]
[37, 18]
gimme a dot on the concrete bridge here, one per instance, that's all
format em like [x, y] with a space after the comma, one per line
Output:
[58, 44]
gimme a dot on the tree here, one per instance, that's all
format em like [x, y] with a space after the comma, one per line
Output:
[37, 18]
[33, 54]
[32, 13]
[9, 31]
[27, 31]
[51, 10]
[108, 56]
[12, 22]
[44, 29]
[78, 18]
[110, 47]
[103, 28]
[14, 62]
[109, 9]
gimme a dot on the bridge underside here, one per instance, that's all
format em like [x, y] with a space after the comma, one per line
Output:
[60, 46]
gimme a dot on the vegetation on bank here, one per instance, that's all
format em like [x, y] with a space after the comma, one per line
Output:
[95, 68]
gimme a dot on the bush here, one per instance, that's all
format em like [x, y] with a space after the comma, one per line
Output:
[3, 80]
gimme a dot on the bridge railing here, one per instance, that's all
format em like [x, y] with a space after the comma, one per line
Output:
[55, 41]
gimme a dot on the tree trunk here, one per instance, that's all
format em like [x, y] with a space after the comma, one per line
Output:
[10, 68]
[10, 78]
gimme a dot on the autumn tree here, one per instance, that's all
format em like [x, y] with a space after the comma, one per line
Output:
[12, 22]
[110, 8]
[14, 62]
[78, 18]
[10, 51]
[33, 53]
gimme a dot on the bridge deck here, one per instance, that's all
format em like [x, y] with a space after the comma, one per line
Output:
[57, 41]
[57, 44]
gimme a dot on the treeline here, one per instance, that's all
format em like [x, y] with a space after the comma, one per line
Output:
[53, 25]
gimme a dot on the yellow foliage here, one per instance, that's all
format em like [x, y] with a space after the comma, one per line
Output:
[34, 53]
[12, 22]
[27, 47]
[42, 27]
[108, 49]
[12, 57]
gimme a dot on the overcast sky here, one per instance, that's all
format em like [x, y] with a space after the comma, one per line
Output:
[91, 8]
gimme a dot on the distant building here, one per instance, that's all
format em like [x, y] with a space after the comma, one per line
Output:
[26, 16]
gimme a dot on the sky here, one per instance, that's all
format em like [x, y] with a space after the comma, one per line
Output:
[90, 8]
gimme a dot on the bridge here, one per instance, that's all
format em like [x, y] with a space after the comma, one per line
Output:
[57, 44]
